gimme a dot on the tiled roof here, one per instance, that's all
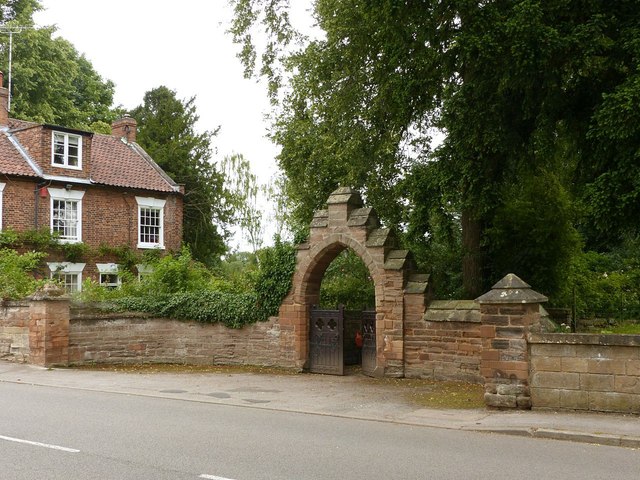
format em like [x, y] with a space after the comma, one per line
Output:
[113, 162]
[116, 163]
[11, 161]
[15, 124]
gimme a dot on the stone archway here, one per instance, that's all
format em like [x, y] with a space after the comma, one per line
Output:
[347, 223]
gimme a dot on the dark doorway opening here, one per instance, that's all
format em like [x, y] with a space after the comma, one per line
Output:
[342, 339]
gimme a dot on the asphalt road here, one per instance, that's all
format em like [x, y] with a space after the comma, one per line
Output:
[95, 435]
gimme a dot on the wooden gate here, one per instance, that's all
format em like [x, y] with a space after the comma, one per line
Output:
[326, 353]
[368, 342]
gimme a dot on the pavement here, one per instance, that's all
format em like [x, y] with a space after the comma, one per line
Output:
[353, 396]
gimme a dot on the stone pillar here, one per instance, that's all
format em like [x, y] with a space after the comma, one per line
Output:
[508, 312]
[340, 204]
[49, 327]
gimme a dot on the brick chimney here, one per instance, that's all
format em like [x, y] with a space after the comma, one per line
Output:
[125, 128]
[4, 102]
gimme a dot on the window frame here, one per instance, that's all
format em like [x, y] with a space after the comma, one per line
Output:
[63, 195]
[65, 154]
[151, 204]
[109, 269]
[67, 268]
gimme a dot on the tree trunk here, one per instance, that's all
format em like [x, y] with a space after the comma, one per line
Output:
[471, 255]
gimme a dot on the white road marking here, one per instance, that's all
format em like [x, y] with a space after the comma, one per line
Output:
[38, 444]
[213, 477]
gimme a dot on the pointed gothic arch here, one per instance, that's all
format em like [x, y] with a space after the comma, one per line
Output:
[400, 291]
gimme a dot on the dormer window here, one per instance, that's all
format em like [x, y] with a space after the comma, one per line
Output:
[66, 150]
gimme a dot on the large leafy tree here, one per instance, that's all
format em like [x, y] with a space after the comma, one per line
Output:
[51, 82]
[525, 92]
[166, 130]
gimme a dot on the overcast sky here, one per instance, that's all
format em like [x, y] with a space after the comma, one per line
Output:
[143, 44]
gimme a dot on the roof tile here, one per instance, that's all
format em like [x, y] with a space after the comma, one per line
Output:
[11, 162]
[116, 163]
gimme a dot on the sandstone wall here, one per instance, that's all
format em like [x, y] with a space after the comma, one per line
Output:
[585, 372]
[445, 343]
[131, 338]
[14, 331]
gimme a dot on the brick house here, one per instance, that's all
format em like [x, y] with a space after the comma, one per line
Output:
[86, 187]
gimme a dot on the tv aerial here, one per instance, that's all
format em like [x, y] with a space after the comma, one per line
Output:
[11, 29]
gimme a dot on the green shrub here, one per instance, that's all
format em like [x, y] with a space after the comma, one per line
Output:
[232, 309]
[74, 252]
[174, 274]
[8, 238]
[533, 235]
[40, 240]
[238, 272]
[607, 285]
[274, 279]
[16, 279]
[184, 289]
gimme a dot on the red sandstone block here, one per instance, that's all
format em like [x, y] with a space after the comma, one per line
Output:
[487, 372]
[489, 309]
[617, 367]
[512, 309]
[495, 320]
[525, 320]
[465, 347]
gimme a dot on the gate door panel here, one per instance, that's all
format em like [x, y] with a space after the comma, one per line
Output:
[325, 341]
[368, 342]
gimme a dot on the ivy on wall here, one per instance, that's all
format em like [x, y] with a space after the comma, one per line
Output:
[183, 289]
[178, 287]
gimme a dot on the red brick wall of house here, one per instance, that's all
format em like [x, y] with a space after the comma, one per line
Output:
[18, 200]
[109, 216]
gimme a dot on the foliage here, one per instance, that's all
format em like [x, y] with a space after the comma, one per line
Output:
[16, 279]
[516, 88]
[43, 240]
[237, 272]
[9, 237]
[166, 130]
[126, 256]
[607, 285]
[244, 189]
[74, 252]
[180, 287]
[18, 11]
[94, 292]
[534, 224]
[232, 309]
[175, 274]
[625, 328]
[52, 83]
[434, 230]
[274, 280]
[347, 282]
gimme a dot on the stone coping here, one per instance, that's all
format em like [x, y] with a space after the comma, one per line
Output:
[452, 311]
[14, 303]
[585, 339]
